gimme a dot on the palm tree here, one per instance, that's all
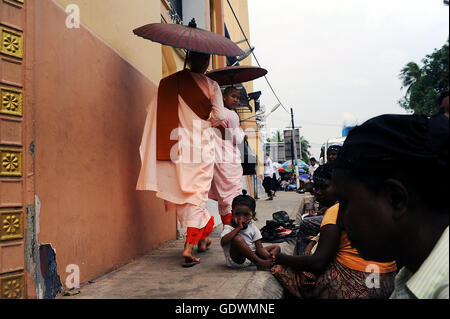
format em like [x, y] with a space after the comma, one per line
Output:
[276, 137]
[305, 149]
[409, 75]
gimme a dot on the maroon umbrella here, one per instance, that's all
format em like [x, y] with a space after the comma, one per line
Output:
[189, 37]
[236, 74]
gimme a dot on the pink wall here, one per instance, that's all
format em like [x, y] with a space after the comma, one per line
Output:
[89, 115]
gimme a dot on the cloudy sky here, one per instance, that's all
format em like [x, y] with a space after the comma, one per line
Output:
[336, 61]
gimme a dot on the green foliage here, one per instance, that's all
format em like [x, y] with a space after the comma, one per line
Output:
[276, 137]
[305, 149]
[425, 84]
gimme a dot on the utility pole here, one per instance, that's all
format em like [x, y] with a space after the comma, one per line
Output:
[294, 150]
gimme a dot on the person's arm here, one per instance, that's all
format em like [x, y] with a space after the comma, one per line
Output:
[217, 115]
[313, 240]
[229, 237]
[326, 251]
[322, 211]
[309, 247]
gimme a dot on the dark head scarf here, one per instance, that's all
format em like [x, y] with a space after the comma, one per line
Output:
[399, 145]
[334, 149]
[384, 140]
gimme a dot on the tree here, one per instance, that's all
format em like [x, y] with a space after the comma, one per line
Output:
[425, 84]
[277, 136]
[305, 149]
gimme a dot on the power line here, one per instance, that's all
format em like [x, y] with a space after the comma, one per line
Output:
[321, 124]
[253, 53]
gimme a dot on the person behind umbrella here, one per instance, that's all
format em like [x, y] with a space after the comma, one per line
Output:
[177, 149]
[387, 211]
[227, 180]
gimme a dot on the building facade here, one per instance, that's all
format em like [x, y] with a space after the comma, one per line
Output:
[75, 82]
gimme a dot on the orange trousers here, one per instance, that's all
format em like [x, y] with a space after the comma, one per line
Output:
[194, 235]
[226, 218]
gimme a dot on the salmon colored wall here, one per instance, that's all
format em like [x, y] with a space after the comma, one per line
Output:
[114, 20]
[89, 115]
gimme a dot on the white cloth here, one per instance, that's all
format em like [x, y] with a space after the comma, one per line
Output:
[312, 169]
[250, 235]
[276, 166]
[268, 167]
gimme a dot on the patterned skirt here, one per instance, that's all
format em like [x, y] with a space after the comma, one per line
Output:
[336, 282]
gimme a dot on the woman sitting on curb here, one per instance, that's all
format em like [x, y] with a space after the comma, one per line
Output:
[386, 209]
[341, 273]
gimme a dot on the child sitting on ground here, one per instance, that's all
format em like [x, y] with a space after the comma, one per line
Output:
[241, 239]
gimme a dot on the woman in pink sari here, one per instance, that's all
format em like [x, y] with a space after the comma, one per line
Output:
[227, 180]
[177, 150]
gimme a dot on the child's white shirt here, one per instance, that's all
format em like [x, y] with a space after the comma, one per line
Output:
[250, 235]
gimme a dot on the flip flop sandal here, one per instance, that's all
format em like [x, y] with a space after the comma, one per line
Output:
[190, 264]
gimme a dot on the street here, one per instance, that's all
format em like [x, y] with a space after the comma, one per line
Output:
[158, 274]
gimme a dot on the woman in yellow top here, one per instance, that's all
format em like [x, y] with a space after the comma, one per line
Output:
[335, 270]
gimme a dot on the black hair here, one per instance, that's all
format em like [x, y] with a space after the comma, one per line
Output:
[309, 187]
[324, 171]
[196, 60]
[228, 89]
[198, 55]
[334, 148]
[312, 159]
[244, 200]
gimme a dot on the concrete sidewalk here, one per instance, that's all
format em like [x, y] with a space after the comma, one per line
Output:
[158, 274]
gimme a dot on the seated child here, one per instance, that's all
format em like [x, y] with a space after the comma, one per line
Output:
[241, 239]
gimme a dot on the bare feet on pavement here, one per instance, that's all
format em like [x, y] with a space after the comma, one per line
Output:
[204, 244]
[189, 259]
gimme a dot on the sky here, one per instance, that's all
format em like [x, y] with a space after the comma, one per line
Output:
[338, 61]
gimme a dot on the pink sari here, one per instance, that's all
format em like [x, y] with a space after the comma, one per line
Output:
[185, 183]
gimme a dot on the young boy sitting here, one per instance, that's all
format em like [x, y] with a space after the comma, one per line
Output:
[241, 239]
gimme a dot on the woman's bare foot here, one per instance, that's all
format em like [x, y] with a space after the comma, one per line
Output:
[189, 259]
[204, 244]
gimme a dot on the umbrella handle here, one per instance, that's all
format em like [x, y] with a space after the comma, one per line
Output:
[186, 58]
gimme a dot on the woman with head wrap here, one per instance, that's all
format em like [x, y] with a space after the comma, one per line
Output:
[310, 225]
[341, 273]
[177, 149]
[333, 152]
[386, 208]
